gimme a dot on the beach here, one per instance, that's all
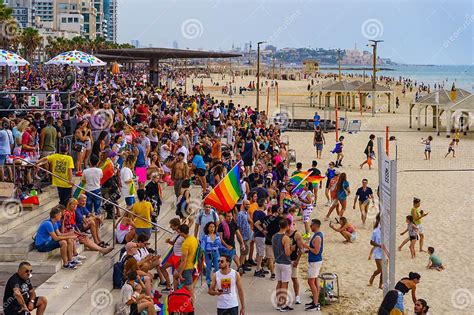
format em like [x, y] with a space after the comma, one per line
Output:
[444, 193]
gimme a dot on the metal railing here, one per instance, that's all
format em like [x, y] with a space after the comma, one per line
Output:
[156, 225]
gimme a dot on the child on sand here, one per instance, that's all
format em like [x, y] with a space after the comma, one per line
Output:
[434, 262]
[412, 235]
[338, 150]
[451, 148]
[427, 143]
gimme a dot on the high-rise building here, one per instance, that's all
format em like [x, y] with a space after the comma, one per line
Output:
[66, 12]
[44, 12]
[100, 19]
[110, 20]
[23, 12]
[135, 43]
[175, 45]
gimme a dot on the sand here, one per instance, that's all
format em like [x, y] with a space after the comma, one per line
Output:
[446, 195]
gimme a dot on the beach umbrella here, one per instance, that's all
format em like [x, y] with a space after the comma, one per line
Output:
[7, 58]
[115, 68]
[76, 58]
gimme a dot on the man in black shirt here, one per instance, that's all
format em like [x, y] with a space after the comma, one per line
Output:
[315, 172]
[228, 239]
[262, 192]
[254, 177]
[369, 152]
[20, 296]
[270, 225]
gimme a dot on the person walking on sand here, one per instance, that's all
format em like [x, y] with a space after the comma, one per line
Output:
[364, 194]
[318, 141]
[451, 148]
[315, 261]
[369, 152]
[417, 215]
[427, 143]
[338, 150]
[412, 235]
[376, 251]
[342, 189]
[330, 174]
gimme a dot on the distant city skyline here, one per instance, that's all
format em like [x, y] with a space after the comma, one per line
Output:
[414, 32]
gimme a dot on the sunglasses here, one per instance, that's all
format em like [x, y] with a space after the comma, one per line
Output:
[222, 261]
[29, 271]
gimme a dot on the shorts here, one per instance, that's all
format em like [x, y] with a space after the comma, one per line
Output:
[48, 246]
[3, 158]
[130, 200]
[260, 246]
[307, 214]
[188, 276]
[421, 229]
[146, 231]
[248, 162]
[294, 272]
[247, 248]
[174, 261]
[353, 237]
[319, 146]
[364, 203]
[283, 272]
[313, 269]
[200, 172]
[450, 150]
[16, 310]
[141, 174]
[269, 252]
[414, 237]
[228, 311]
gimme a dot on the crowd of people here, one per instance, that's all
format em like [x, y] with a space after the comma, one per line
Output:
[133, 139]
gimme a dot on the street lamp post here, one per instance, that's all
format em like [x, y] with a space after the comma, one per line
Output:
[258, 75]
[374, 70]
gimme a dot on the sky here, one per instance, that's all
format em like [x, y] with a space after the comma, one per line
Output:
[437, 32]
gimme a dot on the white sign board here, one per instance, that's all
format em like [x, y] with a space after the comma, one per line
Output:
[33, 101]
[388, 198]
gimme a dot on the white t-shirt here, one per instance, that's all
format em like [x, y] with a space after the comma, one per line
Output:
[228, 284]
[92, 175]
[126, 294]
[216, 114]
[141, 254]
[126, 174]
[164, 152]
[184, 151]
[177, 250]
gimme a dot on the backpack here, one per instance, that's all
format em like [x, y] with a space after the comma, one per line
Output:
[117, 277]
[201, 213]
[180, 301]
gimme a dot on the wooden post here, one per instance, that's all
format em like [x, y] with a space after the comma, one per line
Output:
[277, 95]
[337, 119]
[268, 99]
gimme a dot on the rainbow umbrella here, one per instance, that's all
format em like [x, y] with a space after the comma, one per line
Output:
[76, 58]
[8, 58]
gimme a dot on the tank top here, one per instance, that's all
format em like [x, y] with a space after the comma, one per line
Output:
[316, 257]
[228, 284]
[49, 139]
[294, 254]
[318, 137]
[279, 250]
[248, 149]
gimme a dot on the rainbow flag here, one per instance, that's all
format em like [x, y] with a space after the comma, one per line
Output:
[167, 255]
[315, 179]
[79, 190]
[107, 171]
[226, 194]
[164, 307]
[298, 181]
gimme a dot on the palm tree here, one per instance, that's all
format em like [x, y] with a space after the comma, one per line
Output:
[30, 40]
[8, 24]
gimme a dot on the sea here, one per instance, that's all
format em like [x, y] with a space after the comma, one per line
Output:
[461, 75]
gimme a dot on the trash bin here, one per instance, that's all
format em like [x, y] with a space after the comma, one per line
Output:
[329, 284]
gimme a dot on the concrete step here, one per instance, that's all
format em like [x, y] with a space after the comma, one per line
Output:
[52, 265]
[10, 220]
